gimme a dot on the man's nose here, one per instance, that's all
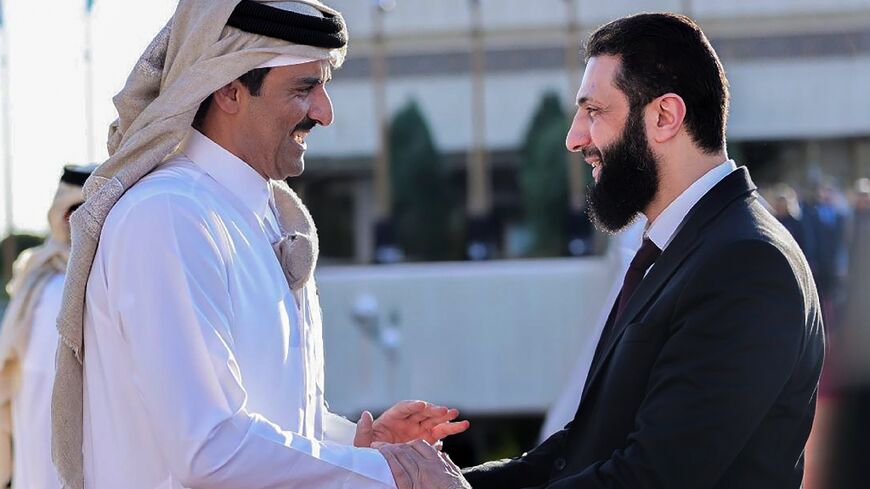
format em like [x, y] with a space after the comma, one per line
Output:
[578, 135]
[321, 107]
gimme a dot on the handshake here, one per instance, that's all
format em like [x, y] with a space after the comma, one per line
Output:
[409, 436]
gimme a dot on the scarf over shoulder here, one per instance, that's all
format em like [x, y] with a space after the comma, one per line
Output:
[194, 55]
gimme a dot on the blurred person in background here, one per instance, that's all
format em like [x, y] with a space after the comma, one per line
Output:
[192, 350]
[826, 226]
[787, 209]
[851, 435]
[857, 311]
[28, 342]
[706, 374]
[856, 317]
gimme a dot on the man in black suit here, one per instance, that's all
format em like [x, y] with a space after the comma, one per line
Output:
[706, 373]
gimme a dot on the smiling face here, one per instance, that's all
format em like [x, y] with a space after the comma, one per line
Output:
[612, 138]
[270, 128]
[602, 110]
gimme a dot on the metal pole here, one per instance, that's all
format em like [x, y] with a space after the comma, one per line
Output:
[479, 184]
[89, 90]
[387, 249]
[576, 175]
[379, 75]
[9, 242]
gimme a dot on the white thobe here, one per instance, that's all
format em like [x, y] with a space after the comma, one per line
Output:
[202, 369]
[31, 406]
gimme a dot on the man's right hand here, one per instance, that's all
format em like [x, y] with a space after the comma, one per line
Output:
[407, 421]
[417, 465]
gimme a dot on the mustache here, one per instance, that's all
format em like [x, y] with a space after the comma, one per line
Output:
[306, 125]
[591, 151]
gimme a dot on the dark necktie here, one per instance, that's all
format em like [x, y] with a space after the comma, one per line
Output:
[643, 259]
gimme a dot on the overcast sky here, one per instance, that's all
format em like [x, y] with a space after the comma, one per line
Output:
[45, 53]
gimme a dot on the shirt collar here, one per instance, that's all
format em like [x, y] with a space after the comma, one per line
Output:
[662, 230]
[228, 170]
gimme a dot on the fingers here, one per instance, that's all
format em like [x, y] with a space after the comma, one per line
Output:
[364, 431]
[438, 416]
[432, 414]
[447, 429]
[400, 473]
[407, 409]
[424, 449]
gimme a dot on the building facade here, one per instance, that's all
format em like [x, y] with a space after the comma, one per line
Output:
[798, 71]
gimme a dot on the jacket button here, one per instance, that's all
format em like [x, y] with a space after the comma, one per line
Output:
[560, 463]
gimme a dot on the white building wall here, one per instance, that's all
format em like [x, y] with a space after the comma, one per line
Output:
[425, 18]
[797, 99]
[445, 102]
[771, 99]
[494, 337]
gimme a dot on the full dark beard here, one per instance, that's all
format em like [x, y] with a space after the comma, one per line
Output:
[628, 179]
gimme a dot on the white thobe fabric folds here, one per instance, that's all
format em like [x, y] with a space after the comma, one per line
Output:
[31, 406]
[203, 369]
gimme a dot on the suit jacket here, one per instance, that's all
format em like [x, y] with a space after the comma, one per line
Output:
[709, 378]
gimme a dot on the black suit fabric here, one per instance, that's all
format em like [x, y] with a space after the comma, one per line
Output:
[710, 375]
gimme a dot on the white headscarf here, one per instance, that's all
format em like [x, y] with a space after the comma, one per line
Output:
[192, 57]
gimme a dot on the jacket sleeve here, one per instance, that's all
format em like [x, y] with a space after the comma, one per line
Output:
[738, 331]
[530, 469]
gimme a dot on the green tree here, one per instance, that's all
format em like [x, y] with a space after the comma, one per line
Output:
[422, 206]
[544, 177]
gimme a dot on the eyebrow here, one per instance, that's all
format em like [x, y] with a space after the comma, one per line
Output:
[311, 80]
[585, 100]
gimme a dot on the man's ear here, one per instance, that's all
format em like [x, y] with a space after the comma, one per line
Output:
[228, 98]
[668, 112]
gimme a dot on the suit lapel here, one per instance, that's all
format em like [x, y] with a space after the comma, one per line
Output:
[665, 266]
[686, 240]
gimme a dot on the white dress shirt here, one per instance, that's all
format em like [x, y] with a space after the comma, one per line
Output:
[662, 230]
[203, 369]
[31, 406]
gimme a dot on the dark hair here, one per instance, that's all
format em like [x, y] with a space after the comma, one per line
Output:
[667, 53]
[252, 80]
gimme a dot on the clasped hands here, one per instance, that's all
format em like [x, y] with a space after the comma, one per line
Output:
[405, 435]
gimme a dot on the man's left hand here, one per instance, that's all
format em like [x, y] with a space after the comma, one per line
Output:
[407, 421]
[417, 465]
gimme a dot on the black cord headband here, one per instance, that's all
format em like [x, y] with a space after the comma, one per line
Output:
[77, 174]
[259, 18]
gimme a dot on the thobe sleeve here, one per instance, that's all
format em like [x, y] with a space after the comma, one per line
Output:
[169, 273]
[337, 428]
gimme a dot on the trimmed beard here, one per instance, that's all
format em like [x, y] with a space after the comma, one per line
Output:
[628, 179]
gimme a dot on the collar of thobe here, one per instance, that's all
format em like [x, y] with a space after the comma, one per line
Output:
[296, 249]
[663, 229]
[252, 190]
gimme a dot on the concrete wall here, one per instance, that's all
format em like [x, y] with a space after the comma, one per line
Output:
[496, 337]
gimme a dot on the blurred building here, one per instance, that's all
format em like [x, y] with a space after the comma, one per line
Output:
[798, 71]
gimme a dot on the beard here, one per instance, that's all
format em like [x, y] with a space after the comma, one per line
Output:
[628, 179]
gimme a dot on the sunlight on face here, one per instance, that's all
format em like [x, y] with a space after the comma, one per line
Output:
[292, 101]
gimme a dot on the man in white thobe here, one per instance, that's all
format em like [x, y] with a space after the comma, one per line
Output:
[28, 340]
[202, 351]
